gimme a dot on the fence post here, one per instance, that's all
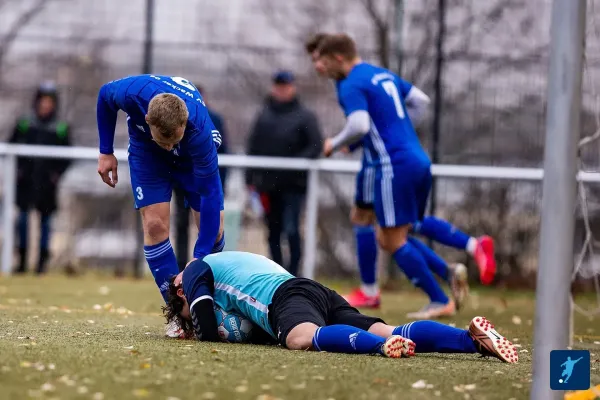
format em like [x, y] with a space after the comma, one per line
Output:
[310, 224]
[9, 176]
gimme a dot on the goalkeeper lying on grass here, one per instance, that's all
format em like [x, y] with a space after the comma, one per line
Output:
[302, 314]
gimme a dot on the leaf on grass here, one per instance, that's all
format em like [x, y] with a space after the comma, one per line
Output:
[517, 385]
[437, 393]
[11, 322]
[141, 393]
[299, 386]
[5, 368]
[318, 378]
[119, 326]
[241, 389]
[39, 366]
[280, 378]
[104, 290]
[25, 364]
[381, 381]
[499, 372]
[82, 390]
[265, 397]
[209, 395]
[107, 306]
[211, 350]
[98, 396]
[470, 386]
[596, 342]
[97, 307]
[265, 386]
[517, 345]
[420, 384]
[91, 321]
[34, 393]
[167, 376]
[128, 347]
[524, 351]
[47, 387]
[172, 398]
[145, 366]
[147, 333]
[516, 320]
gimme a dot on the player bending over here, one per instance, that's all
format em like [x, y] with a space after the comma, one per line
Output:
[302, 314]
[363, 217]
[171, 141]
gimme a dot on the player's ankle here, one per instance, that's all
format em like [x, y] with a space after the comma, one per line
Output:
[370, 289]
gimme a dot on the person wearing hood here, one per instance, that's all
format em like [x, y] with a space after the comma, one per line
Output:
[283, 128]
[38, 178]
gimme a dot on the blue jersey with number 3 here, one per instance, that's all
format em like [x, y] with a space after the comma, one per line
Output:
[392, 139]
[133, 94]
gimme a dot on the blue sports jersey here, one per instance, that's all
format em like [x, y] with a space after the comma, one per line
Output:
[238, 282]
[154, 169]
[133, 94]
[392, 138]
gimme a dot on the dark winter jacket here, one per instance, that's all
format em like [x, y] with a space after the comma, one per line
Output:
[283, 130]
[37, 178]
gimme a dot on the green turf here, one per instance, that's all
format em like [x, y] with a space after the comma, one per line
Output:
[54, 344]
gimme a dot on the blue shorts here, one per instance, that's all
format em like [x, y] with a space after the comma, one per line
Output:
[401, 195]
[153, 175]
[365, 188]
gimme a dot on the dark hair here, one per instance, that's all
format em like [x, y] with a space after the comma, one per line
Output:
[172, 311]
[314, 41]
[340, 44]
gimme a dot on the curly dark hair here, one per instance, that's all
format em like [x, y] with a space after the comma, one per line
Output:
[172, 311]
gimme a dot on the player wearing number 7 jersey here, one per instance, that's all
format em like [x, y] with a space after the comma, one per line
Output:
[373, 101]
[172, 140]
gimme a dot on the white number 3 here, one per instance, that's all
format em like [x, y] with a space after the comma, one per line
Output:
[392, 91]
[140, 194]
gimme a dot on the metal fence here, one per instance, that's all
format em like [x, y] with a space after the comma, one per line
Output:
[314, 167]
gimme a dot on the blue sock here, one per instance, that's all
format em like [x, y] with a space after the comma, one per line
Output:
[442, 231]
[366, 249]
[411, 261]
[346, 339]
[433, 337]
[219, 246]
[163, 264]
[434, 262]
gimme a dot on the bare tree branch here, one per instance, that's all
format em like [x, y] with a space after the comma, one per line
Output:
[22, 21]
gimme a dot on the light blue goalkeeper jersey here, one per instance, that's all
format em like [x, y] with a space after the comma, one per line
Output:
[245, 283]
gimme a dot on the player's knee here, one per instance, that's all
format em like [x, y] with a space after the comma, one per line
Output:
[301, 337]
[391, 239]
[156, 228]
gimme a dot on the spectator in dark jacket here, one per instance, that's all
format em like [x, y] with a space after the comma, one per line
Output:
[283, 128]
[183, 215]
[38, 178]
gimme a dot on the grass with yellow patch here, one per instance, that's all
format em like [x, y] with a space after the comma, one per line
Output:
[97, 338]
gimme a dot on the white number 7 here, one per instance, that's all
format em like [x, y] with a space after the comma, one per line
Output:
[391, 89]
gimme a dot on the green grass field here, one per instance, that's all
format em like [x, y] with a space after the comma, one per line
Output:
[97, 338]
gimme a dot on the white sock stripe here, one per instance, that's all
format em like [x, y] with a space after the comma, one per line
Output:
[408, 330]
[153, 253]
[315, 342]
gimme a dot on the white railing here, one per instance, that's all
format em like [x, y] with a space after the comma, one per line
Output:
[10, 152]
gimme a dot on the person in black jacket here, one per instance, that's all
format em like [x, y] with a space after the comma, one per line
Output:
[38, 178]
[182, 211]
[283, 128]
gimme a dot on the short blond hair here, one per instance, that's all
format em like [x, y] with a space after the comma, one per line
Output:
[166, 113]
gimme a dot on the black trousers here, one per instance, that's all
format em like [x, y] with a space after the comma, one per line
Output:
[283, 217]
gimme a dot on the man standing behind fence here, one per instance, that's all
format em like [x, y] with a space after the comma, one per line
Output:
[37, 178]
[283, 128]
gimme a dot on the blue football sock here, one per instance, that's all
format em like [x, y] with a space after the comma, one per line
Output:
[219, 246]
[442, 231]
[411, 261]
[433, 337]
[163, 264]
[346, 339]
[434, 262]
[366, 249]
